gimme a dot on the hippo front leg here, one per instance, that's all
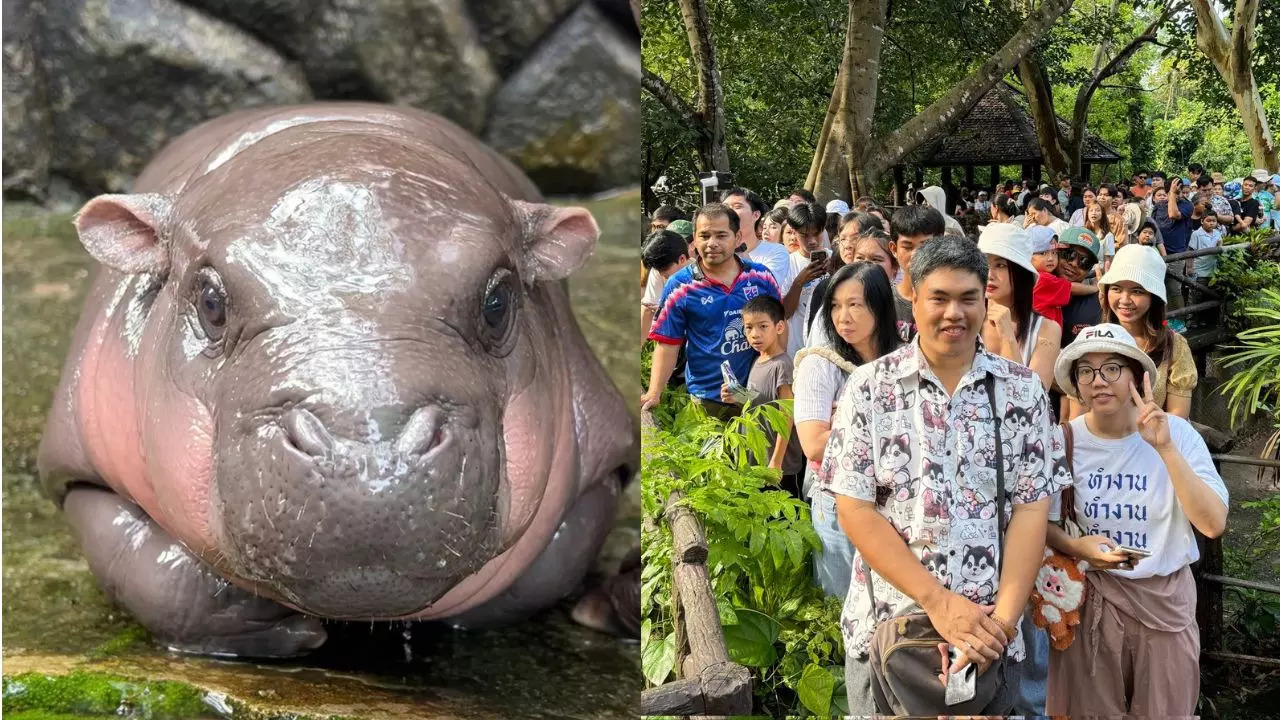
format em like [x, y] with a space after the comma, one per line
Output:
[183, 602]
[560, 567]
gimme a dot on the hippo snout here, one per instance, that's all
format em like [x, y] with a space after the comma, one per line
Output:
[364, 514]
[419, 438]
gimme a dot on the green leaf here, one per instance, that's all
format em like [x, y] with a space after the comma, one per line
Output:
[727, 614]
[815, 689]
[750, 640]
[839, 696]
[657, 659]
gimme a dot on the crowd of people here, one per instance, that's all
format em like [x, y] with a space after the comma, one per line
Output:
[955, 398]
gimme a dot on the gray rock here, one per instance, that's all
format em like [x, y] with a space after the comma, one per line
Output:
[127, 76]
[27, 124]
[626, 13]
[510, 29]
[424, 53]
[570, 116]
[282, 24]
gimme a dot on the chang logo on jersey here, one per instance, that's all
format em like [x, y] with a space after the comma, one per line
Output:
[734, 340]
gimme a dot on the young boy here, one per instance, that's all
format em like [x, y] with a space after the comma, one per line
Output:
[1208, 235]
[771, 377]
[1052, 293]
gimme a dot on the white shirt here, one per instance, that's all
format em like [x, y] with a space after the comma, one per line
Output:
[797, 323]
[1123, 491]
[653, 289]
[1059, 226]
[817, 386]
[775, 257]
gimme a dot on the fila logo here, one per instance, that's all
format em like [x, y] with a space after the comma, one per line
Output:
[1101, 334]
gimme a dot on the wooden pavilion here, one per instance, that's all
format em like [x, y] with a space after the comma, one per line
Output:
[998, 131]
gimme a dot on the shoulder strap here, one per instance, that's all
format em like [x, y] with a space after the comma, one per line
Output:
[1032, 334]
[1000, 494]
[1068, 511]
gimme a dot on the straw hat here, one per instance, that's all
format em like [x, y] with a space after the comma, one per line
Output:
[1105, 338]
[1141, 264]
[1008, 241]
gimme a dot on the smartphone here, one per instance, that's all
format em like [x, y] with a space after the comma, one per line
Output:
[1133, 551]
[818, 256]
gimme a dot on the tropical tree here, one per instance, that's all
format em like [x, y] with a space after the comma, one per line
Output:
[1232, 50]
[1105, 35]
[850, 156]
[705, 114]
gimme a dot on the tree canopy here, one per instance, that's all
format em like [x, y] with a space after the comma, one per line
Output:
[1164, 105]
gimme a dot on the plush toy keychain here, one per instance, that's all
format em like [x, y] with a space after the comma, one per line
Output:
[1057, 597]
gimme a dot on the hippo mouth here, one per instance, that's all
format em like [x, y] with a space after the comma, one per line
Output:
[360, 528]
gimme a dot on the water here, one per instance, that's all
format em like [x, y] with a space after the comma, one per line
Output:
[56, 621]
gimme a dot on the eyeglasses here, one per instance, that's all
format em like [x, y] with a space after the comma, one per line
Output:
[1082, 258]
[1110, 372]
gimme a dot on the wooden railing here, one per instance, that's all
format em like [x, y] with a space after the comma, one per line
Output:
[1211, 584]
[708, 682]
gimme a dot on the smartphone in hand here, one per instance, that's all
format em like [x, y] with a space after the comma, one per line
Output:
[818, 256]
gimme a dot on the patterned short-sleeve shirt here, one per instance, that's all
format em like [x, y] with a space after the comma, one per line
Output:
[928, 462]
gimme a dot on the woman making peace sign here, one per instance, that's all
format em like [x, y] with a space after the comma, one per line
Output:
[1143, 480]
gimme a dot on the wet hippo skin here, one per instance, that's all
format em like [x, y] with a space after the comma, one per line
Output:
[327, 369]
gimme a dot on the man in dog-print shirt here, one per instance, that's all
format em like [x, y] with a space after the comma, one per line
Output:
[911, 461]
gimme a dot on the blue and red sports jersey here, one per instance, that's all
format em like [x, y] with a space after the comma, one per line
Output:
[707, 316]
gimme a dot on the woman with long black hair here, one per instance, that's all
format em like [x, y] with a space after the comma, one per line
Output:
[1013, 329]
[859, 318]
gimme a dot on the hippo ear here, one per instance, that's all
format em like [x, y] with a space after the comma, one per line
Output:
[558, 241]
[122, 231]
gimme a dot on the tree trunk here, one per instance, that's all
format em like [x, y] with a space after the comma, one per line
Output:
[1232, 55]
[847, 130]
[710, 104]
[862, 158]
[1040, 102]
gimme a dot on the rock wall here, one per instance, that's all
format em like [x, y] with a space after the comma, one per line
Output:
[93, 88]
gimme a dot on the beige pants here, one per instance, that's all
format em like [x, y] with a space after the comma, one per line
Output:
[1118, 664]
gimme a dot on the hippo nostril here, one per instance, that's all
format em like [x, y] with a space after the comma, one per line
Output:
[306, 433]
[424, 432]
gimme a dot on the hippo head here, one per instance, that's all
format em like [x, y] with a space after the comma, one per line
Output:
[350, 389]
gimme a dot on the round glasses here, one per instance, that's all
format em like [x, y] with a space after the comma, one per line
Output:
[1110, 372]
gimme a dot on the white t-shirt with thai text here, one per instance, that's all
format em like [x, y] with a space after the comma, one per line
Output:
[1123, 491]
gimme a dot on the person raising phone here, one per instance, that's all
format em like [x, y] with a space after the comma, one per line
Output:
[807, 221]
[1145, 482]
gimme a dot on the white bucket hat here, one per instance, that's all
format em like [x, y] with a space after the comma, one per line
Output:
[1008, 241]
[1105, 338]
[1141, 264]
[1260, 175]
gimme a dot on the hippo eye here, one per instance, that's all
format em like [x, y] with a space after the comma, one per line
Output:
[497, 312]
[211, 307]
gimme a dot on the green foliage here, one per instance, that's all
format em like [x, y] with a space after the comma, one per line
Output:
[1242, 274]
[1252, 615]
[1256, 386]
[759, 541]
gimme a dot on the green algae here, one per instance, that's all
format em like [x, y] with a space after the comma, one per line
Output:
[83, 693]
